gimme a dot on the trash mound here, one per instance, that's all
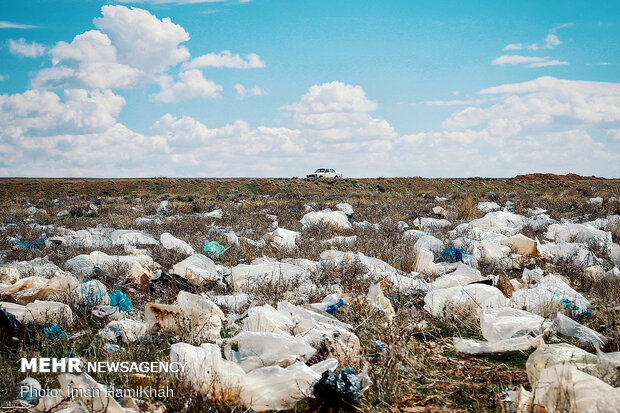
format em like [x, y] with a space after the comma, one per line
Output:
[540, 177]
[263, 317]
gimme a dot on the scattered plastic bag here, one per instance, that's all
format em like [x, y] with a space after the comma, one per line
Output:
[452, 254]
[92, 293]
[120, 300]
[550, 294]
[505, 323]
[569, 327]
[215, 248]
[248, 277]
[376, 298]
[28, 390]
[54, 333]
[472, 297]
[39, 242]
[185, 320]
[255, 350]
[127, 330]
[199, 302]
[40, 312]
[564, 388]
[471, 346]
[277, 388]
[333, 308]
[520, 244]
[169, 241]
[338, 389]
[336, 219]
[207, 372]
[551, 354]
[29, 289]
[112, 348]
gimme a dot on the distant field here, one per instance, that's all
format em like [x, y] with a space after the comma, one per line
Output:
[34, 188]
[412, 359]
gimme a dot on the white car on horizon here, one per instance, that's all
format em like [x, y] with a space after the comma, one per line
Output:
[324, 173]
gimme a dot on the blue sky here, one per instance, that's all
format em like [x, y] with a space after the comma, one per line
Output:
[390, 88]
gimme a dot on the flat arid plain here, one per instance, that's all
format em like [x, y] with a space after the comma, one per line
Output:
[439, 294]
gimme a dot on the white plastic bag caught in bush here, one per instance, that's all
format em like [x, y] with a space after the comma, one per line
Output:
[127, 330]
[40, 312]
[472, 297]
[257, 350]
[471, 346]
[549, 295]
[207, 372]
[569, 327]
[376, 298]
[170, 242]
[564, 388]
[182, 320]
[551, 354]
[197, 268]
[92, 293]
[336, 219]
[505, 323]
[199, 302]
[276, 388]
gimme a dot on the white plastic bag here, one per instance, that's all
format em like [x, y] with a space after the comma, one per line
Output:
[207, 372]
[170, 242]
[276, 388]
[197, 268]
[127, 330]
[569, 327]
[505, 323]
[472, 297]
[376, 298]
[255, 350]
[550, 294]
[520, 343]
[551, 354]
[564, 388]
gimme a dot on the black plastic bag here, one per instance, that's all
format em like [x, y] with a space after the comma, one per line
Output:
[339, 389]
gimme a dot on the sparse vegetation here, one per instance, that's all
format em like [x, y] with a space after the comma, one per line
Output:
[412, 362]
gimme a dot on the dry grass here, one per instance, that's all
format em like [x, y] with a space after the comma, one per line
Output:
[414, 368]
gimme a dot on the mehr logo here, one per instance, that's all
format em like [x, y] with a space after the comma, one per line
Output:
[51, 365]
[75, 365]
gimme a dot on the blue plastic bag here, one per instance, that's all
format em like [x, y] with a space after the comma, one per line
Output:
[215, 248]
[92, 293]
[53, 332]
[452, 254]
[40, 241]
[120, 300]
[331, 309]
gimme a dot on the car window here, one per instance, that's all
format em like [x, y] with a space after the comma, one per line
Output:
[317, 171]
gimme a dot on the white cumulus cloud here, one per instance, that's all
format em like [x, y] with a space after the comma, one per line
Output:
[527, 61]
[21, 47]
[191, 85]
[89, 61]
[41, 113]
[142, 40]
[337, 111]
[242, 91]
[226, 59]
[546, 124]
[513, 46]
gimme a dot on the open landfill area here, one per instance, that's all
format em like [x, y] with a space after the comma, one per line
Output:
[404, 295]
